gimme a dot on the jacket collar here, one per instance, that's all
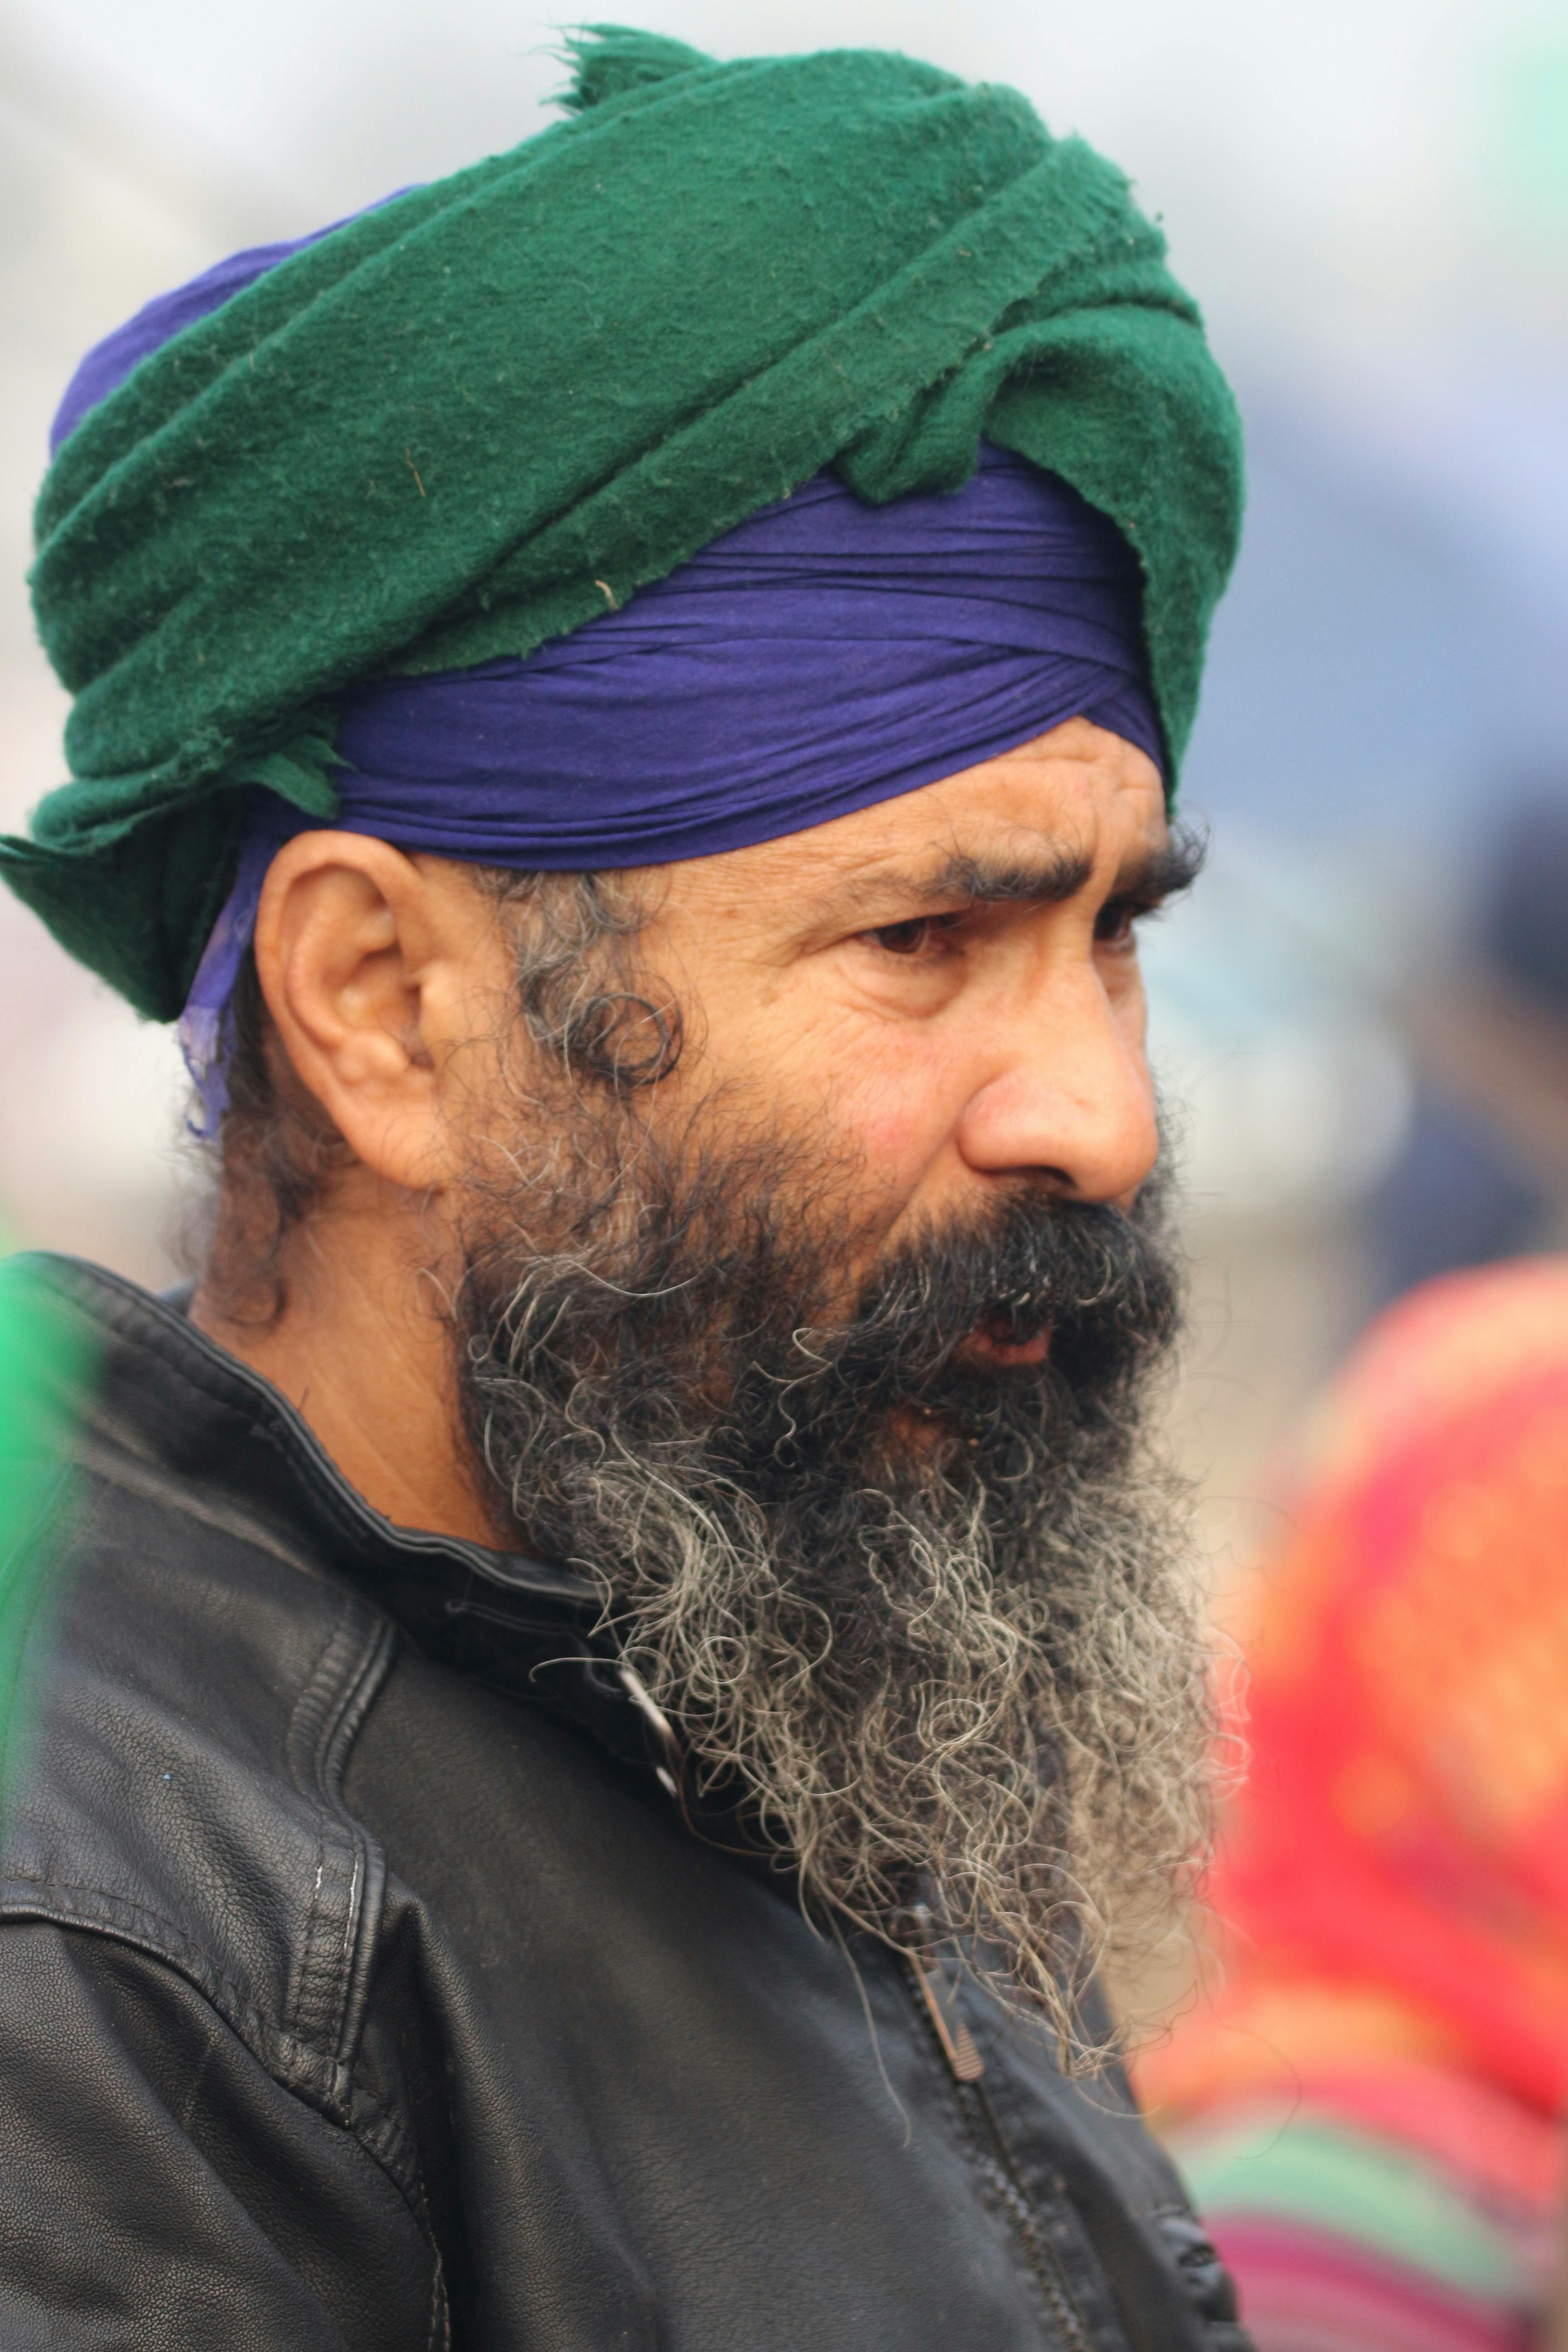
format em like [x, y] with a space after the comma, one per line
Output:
[166, 1399]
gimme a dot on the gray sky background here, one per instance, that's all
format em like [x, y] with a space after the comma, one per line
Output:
[1329, 172]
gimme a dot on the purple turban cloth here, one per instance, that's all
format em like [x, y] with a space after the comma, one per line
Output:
[825, 656]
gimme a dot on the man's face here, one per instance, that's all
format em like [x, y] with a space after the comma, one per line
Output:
[826, 1354]
[944, 988]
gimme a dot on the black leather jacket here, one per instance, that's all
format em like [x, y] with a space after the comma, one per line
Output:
[362, 1984]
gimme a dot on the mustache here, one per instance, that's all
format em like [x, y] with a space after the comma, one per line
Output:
[1082, 1271]
[709, 1324]
[1104, 1283]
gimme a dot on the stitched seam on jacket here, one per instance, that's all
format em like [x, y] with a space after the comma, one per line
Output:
[334, 1963]
[291, 2061]
[439, 2336]
[381, 2133]
[339, 1732]
[246, 1408]
[295, 2060]
[149, 1485]
[373, 2127]
[247, 1402]
[316, 1996]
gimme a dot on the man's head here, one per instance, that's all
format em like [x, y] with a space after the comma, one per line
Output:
[788, 1217]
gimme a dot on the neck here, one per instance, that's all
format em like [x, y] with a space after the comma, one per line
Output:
[363, 1354]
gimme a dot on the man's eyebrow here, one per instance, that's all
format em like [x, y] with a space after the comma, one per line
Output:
[1045, 881]
[1165, 873]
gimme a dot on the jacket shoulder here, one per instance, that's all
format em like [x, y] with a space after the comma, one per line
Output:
[187, 1691]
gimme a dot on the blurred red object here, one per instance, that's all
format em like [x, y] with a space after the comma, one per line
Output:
[1391, 1899]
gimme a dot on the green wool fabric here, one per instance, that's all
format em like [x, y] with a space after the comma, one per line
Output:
[467, 422]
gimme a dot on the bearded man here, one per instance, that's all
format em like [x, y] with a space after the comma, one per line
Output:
[609, 1674]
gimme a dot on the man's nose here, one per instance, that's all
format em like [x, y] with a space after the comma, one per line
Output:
[1072, 1101]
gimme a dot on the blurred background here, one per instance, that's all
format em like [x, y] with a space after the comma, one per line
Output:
[1365, 1008]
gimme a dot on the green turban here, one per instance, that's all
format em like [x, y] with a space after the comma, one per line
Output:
[465, 422]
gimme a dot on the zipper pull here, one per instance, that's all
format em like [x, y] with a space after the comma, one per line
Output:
[964, 2062]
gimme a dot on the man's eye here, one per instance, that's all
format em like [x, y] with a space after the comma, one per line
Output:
[1113, 926]
[919, 937]
[904, 939]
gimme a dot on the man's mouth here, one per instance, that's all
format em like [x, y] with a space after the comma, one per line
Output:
[996, 1343]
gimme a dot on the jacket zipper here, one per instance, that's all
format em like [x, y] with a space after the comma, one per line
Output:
[965, 2068]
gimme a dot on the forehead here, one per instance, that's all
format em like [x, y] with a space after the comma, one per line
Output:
[1078, 795]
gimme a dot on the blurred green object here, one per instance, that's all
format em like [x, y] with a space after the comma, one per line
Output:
[44, 1358]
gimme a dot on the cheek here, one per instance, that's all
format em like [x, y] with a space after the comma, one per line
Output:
[886, 1095]
[896, 1106]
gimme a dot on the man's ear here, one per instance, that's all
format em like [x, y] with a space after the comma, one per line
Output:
[379, 969]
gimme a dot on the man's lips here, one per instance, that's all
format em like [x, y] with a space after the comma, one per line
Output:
[989, 1345]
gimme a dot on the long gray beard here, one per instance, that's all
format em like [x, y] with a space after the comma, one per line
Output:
[938, 1630]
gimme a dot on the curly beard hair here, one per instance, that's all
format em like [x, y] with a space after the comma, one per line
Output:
[935, 1625]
